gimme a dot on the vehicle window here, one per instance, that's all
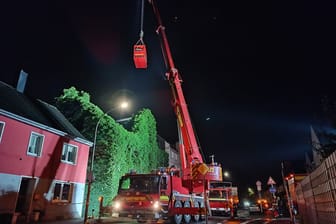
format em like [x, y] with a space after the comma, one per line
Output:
[164, 183]
[145, 184]
[125, 184]
[215, 194]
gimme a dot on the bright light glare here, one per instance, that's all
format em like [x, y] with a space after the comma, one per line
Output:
[156, 205]
[246, 203]
[124, 105]
[116, 205]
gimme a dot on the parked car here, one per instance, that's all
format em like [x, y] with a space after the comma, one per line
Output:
[254, 208]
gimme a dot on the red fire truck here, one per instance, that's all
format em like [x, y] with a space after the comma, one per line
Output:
[223, 198]
[169, 193]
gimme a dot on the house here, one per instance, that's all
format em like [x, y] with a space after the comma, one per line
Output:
[173, 154]
[43, 160]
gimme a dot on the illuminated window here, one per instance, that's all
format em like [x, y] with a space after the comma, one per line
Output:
[35, 144]
[2, 127]
[62, 192]
[69, 153]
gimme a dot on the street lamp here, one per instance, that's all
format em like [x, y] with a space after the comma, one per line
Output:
[123, 105]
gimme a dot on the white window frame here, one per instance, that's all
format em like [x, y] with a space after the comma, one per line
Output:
[59, 196]
[2, 128]
[66, 153]
[30, 144]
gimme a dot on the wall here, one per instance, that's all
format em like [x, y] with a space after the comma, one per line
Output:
[316, 194]
[44, 171]
[13, 149]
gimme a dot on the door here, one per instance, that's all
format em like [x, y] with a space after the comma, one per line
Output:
[25, 196]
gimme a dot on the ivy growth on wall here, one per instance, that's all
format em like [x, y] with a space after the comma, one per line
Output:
[117, 150]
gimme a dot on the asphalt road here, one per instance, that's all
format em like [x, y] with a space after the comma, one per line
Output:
[211, 220]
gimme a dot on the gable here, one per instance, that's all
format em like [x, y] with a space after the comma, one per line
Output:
[38, 111]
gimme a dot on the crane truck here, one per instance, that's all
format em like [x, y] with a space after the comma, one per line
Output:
[178, 195]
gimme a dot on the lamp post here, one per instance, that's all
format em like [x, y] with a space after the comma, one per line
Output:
[123, 105]
[258, 183]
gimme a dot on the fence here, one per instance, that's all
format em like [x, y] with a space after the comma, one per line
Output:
[316, 194]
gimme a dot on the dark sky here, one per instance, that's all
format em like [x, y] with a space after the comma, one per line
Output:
[254, 72]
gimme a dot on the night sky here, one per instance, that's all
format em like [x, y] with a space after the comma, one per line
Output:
[254, 72]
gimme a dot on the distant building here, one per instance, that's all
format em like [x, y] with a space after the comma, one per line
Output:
[174, 157]
[316, 148]
[43, 160]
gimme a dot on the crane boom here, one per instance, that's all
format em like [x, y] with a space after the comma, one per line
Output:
[190, 152]
[191, 148]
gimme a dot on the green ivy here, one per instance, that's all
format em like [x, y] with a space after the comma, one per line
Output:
[117, 149]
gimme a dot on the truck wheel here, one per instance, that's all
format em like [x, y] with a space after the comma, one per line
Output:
[187, 218]
[178, 218]
[196, 217]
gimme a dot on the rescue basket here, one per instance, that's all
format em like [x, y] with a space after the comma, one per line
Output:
[140, 55]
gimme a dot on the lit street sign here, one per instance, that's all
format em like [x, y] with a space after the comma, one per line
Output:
[272, 189]
[270, 181]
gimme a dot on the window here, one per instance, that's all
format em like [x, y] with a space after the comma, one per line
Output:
[148, 184]
[35, 144]
[164, 184]
[69, 153]
[2, 127]
[62, 192]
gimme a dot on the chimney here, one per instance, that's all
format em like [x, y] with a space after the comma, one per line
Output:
[22, 82]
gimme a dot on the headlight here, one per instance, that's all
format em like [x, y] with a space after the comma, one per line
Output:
[116, 205]
[156, 205]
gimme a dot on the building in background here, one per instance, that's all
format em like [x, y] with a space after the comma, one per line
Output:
[316, 149]
[43, 160]
[174, 157]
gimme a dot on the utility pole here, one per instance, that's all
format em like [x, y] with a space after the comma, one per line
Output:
[258, 183]
[289, 200]
[90, 180]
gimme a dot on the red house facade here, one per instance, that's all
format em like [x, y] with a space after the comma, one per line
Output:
[43, 160]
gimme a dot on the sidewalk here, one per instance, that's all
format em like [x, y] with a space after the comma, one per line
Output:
[67, 221]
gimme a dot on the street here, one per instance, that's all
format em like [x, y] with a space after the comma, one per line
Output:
[211, 220]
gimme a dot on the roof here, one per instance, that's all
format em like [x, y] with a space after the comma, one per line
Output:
[36, 110]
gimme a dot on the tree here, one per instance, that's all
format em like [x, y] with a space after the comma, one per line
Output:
[117, 149]
[328, 146]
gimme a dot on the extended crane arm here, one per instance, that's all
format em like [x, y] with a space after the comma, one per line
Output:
[189, 148]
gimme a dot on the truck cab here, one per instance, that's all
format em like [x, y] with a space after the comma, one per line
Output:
[142, 196]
